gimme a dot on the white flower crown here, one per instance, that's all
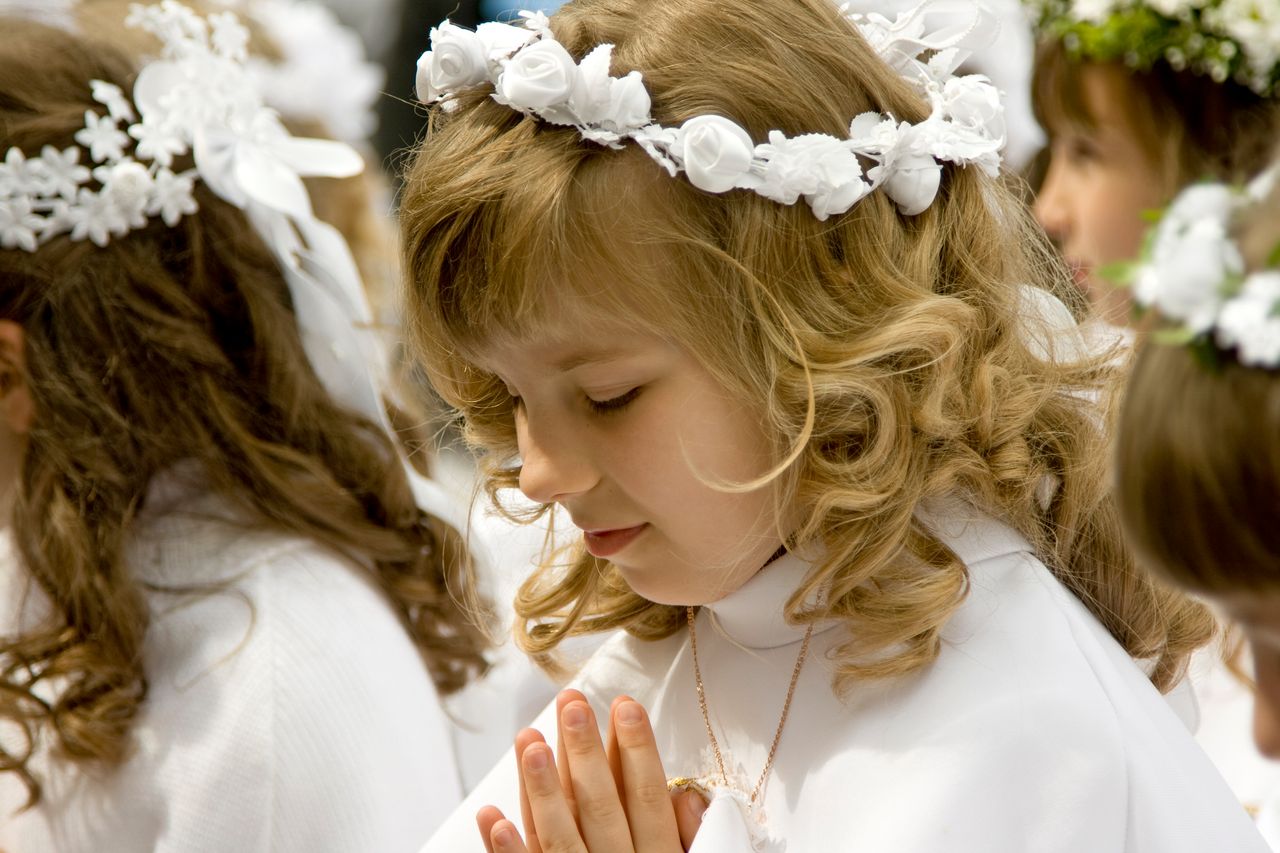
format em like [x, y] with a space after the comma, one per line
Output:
[1193, 274]
[198, 98]
[533, 73]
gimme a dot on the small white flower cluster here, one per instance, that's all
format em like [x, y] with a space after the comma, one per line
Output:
[45, 196]
[533, 73]
[1195, 276]
[198, 99]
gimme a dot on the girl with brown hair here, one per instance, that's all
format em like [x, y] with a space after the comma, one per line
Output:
[1141, 98]
[1198, 465]
[735, 287]
[227, 612]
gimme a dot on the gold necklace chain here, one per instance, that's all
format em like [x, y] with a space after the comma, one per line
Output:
[706, 717]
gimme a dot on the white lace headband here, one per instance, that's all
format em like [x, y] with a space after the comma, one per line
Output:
[533, 73]
[198, 98]
[1193, 274]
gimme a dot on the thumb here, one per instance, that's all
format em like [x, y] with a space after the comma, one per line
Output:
[689, 806]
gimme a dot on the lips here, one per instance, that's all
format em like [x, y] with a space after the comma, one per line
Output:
[1079, 271]
[606, 543]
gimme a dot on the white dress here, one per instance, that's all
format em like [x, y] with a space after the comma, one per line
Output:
[289, 712]
[1033, 732]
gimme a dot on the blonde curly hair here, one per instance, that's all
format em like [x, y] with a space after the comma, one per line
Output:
[887, 355]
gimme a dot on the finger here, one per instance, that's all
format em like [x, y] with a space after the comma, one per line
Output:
[498, 833]
[689, 806]
[644, 783]
[524, 739]
[611, 748]
[557, 830]
[600, 815]
[485, 819]
[506, 839]
[562, 759]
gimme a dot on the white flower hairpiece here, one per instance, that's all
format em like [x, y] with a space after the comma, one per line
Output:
[533, 73]
[195, 99]
[198, 98]
[1194, 275]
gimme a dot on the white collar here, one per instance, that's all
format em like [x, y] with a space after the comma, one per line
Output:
[753, 615]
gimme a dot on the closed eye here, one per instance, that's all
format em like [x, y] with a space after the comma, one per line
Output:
[613, 404]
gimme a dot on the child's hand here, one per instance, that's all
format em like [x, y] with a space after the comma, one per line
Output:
[598, 801]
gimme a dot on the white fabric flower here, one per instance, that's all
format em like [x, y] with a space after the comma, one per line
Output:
[539, 76]
[715, 152]
[229, 37]
[502, 40]
[1196, 203]
[589, 99]
[820, 167]
[128, 185]
[973, 102]
[157, 142]
[20, 176]
[604, 107]
[18, 224]
[172, 197]
[95, 217]
[111, 97]
[913, 182]
[102, 137]
[455, 62]
[63, 173]
[1184, 282]
[1250, 322]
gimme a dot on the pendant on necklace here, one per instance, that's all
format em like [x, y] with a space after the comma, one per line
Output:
[732, 822]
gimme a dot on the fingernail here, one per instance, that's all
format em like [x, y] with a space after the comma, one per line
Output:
[630, 713]
[694, 804]
[575, 717]
[505, 837]
[535, 758]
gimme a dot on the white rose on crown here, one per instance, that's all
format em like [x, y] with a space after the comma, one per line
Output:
[539, 76]
[715, 152]
[456, 61]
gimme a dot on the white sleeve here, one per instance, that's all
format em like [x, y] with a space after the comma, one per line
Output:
[320, 731]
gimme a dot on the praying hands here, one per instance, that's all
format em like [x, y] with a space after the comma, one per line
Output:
[590, 798]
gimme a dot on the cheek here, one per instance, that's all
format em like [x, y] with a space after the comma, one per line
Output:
[1266, 712]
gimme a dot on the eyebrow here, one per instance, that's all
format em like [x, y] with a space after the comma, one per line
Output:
[594, 356]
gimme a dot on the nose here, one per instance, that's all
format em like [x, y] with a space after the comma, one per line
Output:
[1051, 207]
[554, 464]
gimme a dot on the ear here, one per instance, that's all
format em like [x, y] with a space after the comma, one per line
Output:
[17, 411]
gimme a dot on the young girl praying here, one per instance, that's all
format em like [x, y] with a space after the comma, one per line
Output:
[1197, 460]
[1140, 99]
[735, 288]
[225, 621]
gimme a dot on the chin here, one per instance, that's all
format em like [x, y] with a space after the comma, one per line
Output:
[659, 593]
[670, 590]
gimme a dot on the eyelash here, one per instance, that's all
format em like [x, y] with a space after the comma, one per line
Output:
[1081, 151]
[614, 405]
